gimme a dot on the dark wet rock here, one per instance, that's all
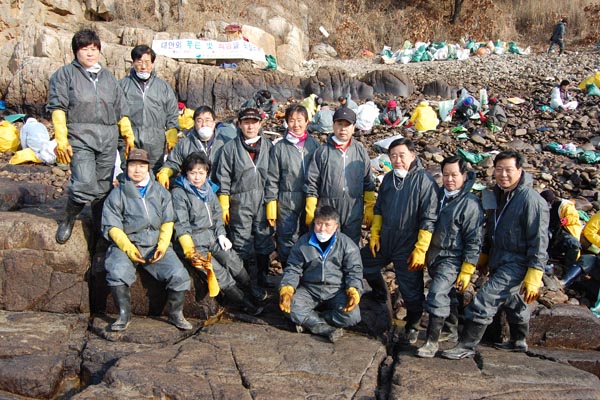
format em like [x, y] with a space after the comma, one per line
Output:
[391, 82]
[16, 195]
[585, 360]
[565, 325]
[40, 353]
[492, 373]
[38, 274]
[234, 360]
[439, 88]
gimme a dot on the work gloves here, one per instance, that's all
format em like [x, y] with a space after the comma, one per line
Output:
[375, 240]
[63, 150]
[464, 277]
[163, 176]
[200, 262]
[224, 201]
[285, 298]
[127, 133]
[224, 242]
[416, 260]
[311, 206]
[369, 199]
[164, 239]
[271, 210]
[530, 289]
[171, 135]
[122, 241]
[353, 299]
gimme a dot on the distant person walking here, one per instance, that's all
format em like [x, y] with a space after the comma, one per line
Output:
[558, 36]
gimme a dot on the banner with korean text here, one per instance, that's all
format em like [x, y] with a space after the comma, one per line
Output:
[208, 49]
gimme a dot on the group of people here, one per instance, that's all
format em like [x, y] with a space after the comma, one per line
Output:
[235, 196]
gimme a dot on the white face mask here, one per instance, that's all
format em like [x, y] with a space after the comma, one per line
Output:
[205, 133]
[338, 141]
[400, 173]
[452, 193]
[94, 69]
[143, 75]
[323, 236]
[252, 141]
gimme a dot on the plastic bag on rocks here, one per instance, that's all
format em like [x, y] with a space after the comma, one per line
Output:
[473, 158]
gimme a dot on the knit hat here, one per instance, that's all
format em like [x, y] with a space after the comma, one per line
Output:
[392, 104]
[548, 195]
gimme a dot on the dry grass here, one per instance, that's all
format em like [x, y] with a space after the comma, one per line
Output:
[360, 24]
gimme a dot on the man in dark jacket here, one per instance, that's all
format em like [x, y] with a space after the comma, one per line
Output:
[241, 176]
[152, 107]
[340, 176]
[516, 241]
[455, 247]
[323, 270]
[405, 214]
[558, 36]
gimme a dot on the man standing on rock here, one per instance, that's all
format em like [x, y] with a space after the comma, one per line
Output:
[323, 270]
[516, 241]
[152, 107]
[405, 215]
[340, 176]
[453, 252]
[558, 36]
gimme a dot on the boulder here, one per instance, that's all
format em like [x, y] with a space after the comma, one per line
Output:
[38, 274]
[323, 51]
[492, 373]
[439, 88]
[39, 353]
[565, 325]
[16, 195]
[389, 82]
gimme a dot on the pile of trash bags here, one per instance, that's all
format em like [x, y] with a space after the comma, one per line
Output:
[426, 51]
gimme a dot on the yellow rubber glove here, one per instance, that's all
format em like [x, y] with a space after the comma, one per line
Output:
[285, 298]
[127, 132]
[63, 151]
[530, 289]
[224, 201]
[416, 260]
[375, 241]
[464, 277]
[122, 241]
[164, 239]
[205, 264]
[187, 245]
[311, 206]
[163, 176]
[272, 213]
[171, 135]
[369, 198]
[353, 299]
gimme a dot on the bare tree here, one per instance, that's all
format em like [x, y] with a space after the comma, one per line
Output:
[456, 12]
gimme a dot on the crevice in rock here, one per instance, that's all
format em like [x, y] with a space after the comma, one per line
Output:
[243, 377]
[478, 360]
[362, 376]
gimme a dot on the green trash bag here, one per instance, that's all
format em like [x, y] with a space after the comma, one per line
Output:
[271, 62]
[470, 45]
[513, 48]
[589, 157]
[473, 158]
[419, 54]
[592, 90]
[560, 149]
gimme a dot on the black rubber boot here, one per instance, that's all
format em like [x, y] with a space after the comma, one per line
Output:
[411, 329]
[245, 283]
[571, 275]
[97, 206]
[175, 304]
[434, 329]
[381, 295]
[237, 298]
[319, 326]
[262, 265]
[518, 338]
[450, 329]
[63, 233]
[471, 336]
[122, 297]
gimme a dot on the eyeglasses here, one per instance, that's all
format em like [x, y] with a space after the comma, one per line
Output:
[145, 63]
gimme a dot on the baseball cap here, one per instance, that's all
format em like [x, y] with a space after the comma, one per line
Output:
[138, 155]
[250, 113]
[345, 114]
